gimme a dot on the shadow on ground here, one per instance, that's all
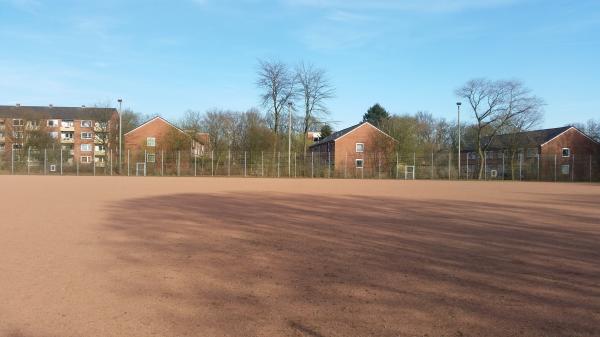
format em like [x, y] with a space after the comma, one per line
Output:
[293, 265]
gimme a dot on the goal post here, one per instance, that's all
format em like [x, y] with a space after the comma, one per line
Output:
[409, 173]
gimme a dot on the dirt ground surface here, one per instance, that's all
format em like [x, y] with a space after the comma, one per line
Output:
[102, 256]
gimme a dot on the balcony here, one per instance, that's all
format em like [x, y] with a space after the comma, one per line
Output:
[100, 153]
[68, 128]
[67, 141]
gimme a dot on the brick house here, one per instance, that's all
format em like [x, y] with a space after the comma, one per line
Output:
[350, 151]
[81, 135]
[158, 147]
[563, 154]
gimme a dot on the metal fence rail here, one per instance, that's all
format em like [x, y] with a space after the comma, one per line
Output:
[438, 165]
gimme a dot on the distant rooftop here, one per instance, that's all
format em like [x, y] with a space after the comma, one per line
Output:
[52, 112]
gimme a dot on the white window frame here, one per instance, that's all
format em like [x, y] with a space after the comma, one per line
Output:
[362, 161]
[568, 151]
[153, 141]
[52, 123]
[363, 147]
[87, 161]
[87, 133]
[88, 122]
[88, 146]
[53, 134]
[21, 122]
[562, 169]
[67, 123]
[151, 155]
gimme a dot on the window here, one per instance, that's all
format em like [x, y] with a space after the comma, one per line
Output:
[33, 124]
[564, 169]
[472, 155]
[99, 148]
[566, 152]
[151, 158]
[532, 153]
[18, 134]
[489, 155]
[360, 147]
[151, 141]
[67, 124]
[86, 124]
[86, 159]
[53, 134]
[52, 123]
[66, 135]
[86, 147]
[18, 122]
[360, 163]
[2, 147]
[17, 146]
[86, 135]
[1, 134]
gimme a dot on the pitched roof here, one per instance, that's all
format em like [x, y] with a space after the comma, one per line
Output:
[337, 134]
[536, 137]
[47, 112]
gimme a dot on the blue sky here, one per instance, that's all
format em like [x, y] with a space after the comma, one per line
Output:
[165, 57]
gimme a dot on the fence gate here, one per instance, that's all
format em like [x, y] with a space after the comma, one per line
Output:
[140, 169]
[409, 173]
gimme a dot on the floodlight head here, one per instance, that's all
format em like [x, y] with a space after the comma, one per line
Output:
[459, 103]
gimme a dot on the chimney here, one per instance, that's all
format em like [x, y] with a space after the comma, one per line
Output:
[18, 105]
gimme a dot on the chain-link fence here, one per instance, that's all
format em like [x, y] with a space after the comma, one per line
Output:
[439, 165]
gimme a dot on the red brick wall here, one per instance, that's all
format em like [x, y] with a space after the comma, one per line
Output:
[581, 148]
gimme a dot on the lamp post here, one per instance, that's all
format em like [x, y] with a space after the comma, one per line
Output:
[290, 105]
[120, 100]
[458, 104]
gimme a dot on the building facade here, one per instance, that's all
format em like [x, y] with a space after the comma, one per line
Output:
[351, 151]
[157, 147]
[561, 154]
[69, 136]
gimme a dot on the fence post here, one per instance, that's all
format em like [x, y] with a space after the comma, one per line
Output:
[468, 165]
[128, 162]
[162, 163]
[346, 166]
[245, 172]
[397, 165]
[61, 162]
[278, 162]
[538, 167]
[262, 163]
[93, 163]
[414, 166]
[77, 166]
[591, 168]
[573, 170]
[520, 166]
[555, 177]
[28, 158]
[178, 163]
[485, 165]
[328, 164]
[212, 163]
[295, 165]
[45, 160]
[111, 162]
[449, 165]
[12, 160]
[503, 167]
[432, 167]
[195, 165]
[312, 164]
[228, 163]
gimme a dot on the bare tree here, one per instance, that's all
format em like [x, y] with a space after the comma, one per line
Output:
[277, 83]
[315, 89]
[495, 104]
